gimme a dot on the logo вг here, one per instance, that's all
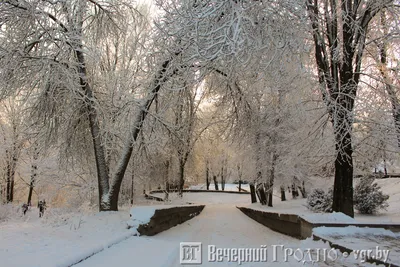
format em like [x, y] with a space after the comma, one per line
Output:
[190, 253]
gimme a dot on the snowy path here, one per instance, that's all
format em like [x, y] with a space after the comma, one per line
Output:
[221, 225]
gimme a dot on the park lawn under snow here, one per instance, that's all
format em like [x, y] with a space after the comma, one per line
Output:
[390, 186]
[59, 240]
[360, 238]
[220, 224]
[62, 239]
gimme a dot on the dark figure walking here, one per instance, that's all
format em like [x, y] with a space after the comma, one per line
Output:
[42, 207]
[24, 208]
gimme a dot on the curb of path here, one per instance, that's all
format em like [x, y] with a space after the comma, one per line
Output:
[95, 250]
[348, 250]
[149, 227]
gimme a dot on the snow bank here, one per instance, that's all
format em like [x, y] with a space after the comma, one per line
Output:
[347, 260]
[47, 242]
[335, 217]
[141, 215]
[86, 253]
[354, 230]
[360, 239]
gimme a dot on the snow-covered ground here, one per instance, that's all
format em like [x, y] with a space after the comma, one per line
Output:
[207, 198]
[228, 187]
[61, 239]
[390, 186]
[359, 238]
[220, 225]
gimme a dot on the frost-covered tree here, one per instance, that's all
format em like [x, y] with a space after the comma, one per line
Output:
[49, 49]
[368, 197]
[14, 135]
[339, 30]
[320, 201]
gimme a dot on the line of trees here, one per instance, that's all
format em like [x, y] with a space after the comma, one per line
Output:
[281, 85]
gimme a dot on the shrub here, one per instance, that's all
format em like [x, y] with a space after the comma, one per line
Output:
[9, 211]
[320, 201]
[368, 197]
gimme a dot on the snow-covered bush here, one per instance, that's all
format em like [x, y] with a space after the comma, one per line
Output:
[368, 197]
[320, 201]
[8, 211]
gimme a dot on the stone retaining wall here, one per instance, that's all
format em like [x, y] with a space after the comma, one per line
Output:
[296, 226]
[164, 219]
[287, 224]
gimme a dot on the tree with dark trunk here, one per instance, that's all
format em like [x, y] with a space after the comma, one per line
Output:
[13, 140]
[295, 193]
[262, 197]
[208, 176]
[240, 177]
[166, 179]
[272, 179]
[215, 182]
[253, 193]
[302, 189]
[283, 195]
[132, 185]
[11, 164]
[34, 168]
[75, 69]
[339, 30]
[223, 173]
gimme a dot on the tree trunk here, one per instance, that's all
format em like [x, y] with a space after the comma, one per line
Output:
[99, 151]
[8, 183]
[295, 193]
[32, 184]
[303, 190]
[215, 182]
[240, 178]
[166, 180]
[222, 178]
[12, 191]
[339, 76]
[181, 176]
[109, 193]
[10, 175]
[272, 179]
[207, 176]
[267, 191]
[343, 185]
[33, 173]
[283, 195]
[270, 194]
[253, 193]
[261, 194]
[132, 182]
